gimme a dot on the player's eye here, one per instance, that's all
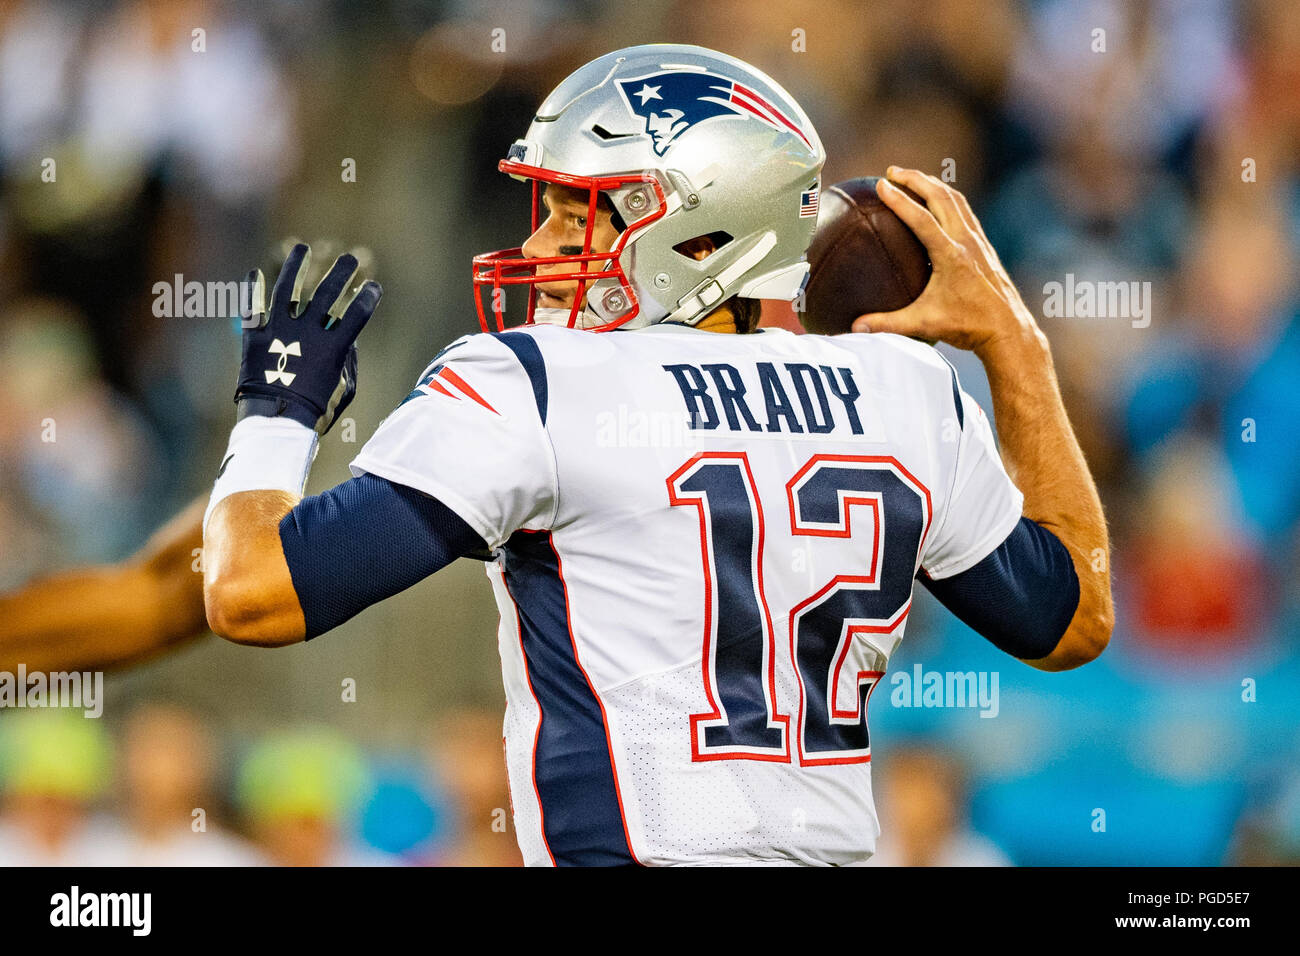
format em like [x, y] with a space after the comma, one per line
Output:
[580, 222]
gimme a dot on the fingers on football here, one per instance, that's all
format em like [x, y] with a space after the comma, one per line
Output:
[919, 219]
[910, 320]
[938, 196]
[288, 286]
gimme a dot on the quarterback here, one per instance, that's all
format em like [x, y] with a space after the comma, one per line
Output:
[690, 630]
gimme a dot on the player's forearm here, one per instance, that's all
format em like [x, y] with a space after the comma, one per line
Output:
[248, 590]
[87, 619]
[108, 616]
[1043, 457]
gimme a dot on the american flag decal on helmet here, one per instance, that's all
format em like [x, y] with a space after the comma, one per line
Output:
[808, 201]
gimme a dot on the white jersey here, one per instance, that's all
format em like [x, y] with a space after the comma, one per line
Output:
[705, 547]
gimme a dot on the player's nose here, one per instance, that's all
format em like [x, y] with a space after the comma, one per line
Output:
[541, 243]
[529, 248]
[537, 246]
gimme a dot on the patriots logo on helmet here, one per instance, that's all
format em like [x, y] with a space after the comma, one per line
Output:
[672, 101]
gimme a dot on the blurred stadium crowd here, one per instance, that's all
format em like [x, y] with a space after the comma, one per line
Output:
[1171, 156]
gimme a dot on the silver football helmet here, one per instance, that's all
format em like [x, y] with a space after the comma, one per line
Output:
[684, 142]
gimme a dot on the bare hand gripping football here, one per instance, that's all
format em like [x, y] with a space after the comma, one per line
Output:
[970, 302]
[862, 259]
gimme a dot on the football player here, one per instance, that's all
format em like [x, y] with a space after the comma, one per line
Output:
[693, 616]
[703, 544]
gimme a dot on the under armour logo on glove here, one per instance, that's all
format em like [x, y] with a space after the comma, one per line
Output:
[284, 351]
[321, 333]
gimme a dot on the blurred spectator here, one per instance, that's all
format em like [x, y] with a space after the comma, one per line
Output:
[168, 762]
[1189, 542]
[301, 791]
[213, 104]
[921, 797]
[467, 752]
[38, 43]
[1139, 75]
[54, 767]
[80, 453]
[1213, 427]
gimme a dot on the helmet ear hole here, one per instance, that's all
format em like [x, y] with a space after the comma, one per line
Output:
[701, 247]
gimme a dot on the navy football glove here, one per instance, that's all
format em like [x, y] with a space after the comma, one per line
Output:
[301, 362]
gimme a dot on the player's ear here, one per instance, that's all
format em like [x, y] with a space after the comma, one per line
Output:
[699, 248]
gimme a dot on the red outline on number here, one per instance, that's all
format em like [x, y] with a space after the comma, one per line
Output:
[848, 500]
[775, 716]
[886, 628]
[857, 698]
[854, 630]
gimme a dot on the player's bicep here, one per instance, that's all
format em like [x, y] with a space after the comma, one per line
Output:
[1021, 597]
[366, 540]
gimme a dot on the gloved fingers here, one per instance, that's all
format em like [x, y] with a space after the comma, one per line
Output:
[333, 287]
[361, 307]
[344, 392]
[288, 286]
[252, 304]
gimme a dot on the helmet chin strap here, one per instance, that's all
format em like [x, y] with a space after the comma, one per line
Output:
[586, 318]
[697, 304]
[553, 316]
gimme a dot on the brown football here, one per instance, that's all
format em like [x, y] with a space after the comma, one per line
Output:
[862, 259]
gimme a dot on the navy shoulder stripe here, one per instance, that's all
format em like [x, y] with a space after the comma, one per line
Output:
[956, 391]
[454, 345]
[530, 357]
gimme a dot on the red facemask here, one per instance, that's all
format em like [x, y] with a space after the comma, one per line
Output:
[506, 267]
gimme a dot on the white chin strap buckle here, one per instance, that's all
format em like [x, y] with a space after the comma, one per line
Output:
[697, 303]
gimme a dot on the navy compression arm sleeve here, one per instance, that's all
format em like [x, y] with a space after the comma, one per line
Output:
[365, 540]
[1021, 597]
